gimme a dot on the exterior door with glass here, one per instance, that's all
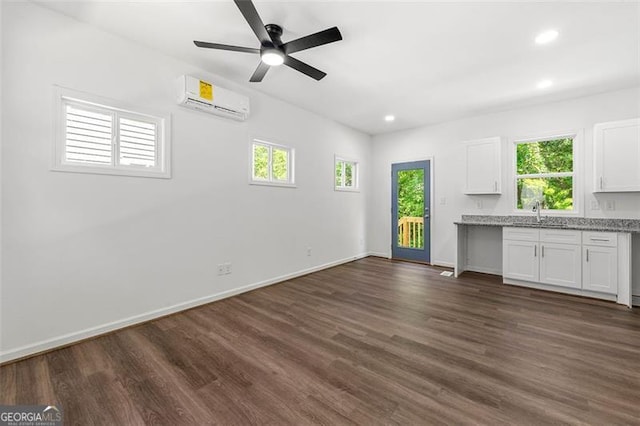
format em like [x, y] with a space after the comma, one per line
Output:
[410, 211]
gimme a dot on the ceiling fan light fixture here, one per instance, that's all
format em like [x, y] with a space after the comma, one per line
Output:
[546, 37]
[272, 57]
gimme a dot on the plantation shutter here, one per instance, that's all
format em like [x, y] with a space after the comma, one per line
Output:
[88, 136]
[138, 142]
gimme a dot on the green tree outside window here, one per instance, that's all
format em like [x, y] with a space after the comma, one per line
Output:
[544, 173]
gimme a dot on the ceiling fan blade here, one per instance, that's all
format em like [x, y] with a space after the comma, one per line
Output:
[304, 68]
[250, 13]
[259, 73]
[318, 39]
[208, 45]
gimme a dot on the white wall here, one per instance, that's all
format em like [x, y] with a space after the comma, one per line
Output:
[83, 253]
[443, 142]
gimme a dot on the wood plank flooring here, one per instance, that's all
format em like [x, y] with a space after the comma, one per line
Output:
[370, 342]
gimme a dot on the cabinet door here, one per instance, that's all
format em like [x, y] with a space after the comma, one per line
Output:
[560, 265]
[520, 260]
[617, 156]
[483, 166]
[600, 268]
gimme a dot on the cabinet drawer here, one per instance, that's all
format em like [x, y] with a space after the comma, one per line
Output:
[560, 236]
[520, 234]
[606, 239]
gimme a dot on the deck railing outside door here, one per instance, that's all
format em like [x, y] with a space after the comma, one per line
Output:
[411, 232]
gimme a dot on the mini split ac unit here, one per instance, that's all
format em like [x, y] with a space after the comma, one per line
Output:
[205, 96]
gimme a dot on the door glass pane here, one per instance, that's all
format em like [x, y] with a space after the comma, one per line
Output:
[410, 204]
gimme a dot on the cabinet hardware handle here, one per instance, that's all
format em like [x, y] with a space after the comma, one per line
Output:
[542, 251]
[600, 182]
[535, 251]
[587, 255]
[599, 239]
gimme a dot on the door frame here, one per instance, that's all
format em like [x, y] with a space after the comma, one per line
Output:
[432, 209]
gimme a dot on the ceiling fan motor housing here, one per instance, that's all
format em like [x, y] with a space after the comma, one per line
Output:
[275, 31]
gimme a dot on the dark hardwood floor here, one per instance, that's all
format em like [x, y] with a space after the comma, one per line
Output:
[369, 342]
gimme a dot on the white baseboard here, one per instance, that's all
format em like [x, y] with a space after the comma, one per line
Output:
[379, 254]
[67, 339]
[442, 263]
[635, 300]
[482, 270]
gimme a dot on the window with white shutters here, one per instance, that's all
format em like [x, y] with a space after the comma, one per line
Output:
[100, 138]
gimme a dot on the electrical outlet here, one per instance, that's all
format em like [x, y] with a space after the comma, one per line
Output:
[479, 204]
[595, 205]
[227, 268]
[221, 269]
[308, 251]
[610, 205]
[443, 201]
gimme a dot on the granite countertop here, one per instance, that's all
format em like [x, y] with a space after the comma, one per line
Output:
[575, 223]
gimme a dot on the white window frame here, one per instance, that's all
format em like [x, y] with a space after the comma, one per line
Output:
[64, 97]
[355, 178]
[576, 174]
[270, 181]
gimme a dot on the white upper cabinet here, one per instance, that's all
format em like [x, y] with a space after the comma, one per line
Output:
[617, 156]
[484, 167]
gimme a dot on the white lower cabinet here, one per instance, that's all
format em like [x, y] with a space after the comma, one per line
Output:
[520, 260]
[564, 258]
[560, 265]
[600, 269]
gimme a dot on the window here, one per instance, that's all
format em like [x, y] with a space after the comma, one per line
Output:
[94, 137]
[271, 164]
[346, 175]
[545, 173]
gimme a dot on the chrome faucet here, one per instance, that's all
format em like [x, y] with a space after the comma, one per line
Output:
[536, 208]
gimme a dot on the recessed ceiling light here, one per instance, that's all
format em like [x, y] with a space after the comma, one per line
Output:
[544, 84]
[389, 118]
[546, 37]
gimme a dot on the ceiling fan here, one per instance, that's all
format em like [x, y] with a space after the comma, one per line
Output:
[273, 51]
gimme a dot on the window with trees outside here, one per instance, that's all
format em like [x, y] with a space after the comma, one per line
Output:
[545, 173]
[346, 175]
[271, 164]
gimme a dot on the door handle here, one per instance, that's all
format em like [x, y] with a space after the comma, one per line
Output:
[535, 250]
[587, 255]
[542, 251]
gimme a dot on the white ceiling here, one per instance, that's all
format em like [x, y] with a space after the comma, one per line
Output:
[424, 62]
